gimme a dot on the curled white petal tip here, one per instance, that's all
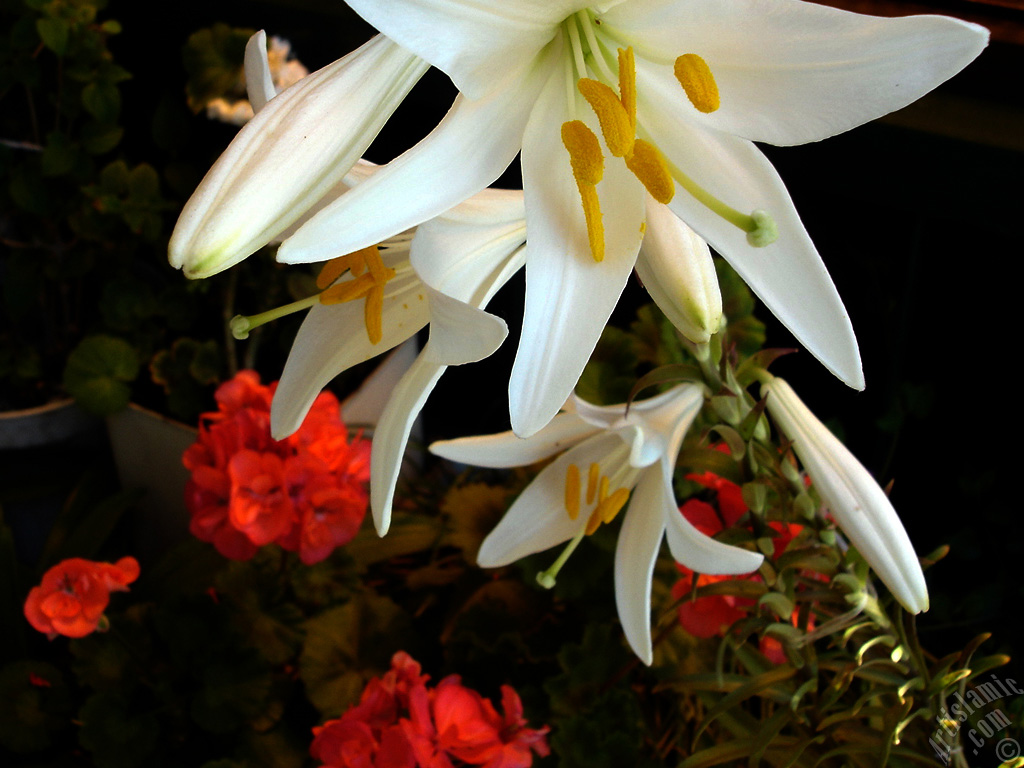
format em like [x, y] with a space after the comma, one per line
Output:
[857, 502]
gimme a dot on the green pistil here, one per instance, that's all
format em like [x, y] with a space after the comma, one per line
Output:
[759, 225]
[547, 578]
[241, 325]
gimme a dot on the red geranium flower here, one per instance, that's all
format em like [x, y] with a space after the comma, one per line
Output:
[305, 493]
[400, 723]
[74, 593]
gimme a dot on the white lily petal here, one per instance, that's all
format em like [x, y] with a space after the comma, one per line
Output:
[459, 332]
[696, 550]
[258, 80]
[857, 502]
[480, 44]
[635, 555]
[458, 252]
[676, 268]
[361, 171]
[468, 150]
[290, 155]
[333, 338]
[538, 519]
[569, 296]
[364, 407]
[788, 275]
[505, 449]
[392, 434]
[789, 71]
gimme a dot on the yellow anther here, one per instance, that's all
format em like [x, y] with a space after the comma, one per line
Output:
[694, 74]
[592, 477]
[587, 168]
[647, 164]
[627, 84]
[610, 507]
[350, 290]
[371, 256]
[584, 152]
[572, 491]
[373, 314]
[331, 271]
[616, 127]
[602, 492]
[594, 522]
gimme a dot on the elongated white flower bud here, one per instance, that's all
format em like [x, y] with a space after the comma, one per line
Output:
[857, 502]
[675, 266]
[290, 155]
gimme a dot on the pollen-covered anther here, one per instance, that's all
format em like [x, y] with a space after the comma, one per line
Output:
[572, 491]
[373, 314]
[616, 126]
[611, 506]
[694, 74]
[647, 164]
[349, 290]
[587, 164]
[627, 84]
[593, 475]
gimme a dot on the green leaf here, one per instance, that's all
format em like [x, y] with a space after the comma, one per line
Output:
[116, 732]
[347, 645]
[59, 155]
[98, 138]
[102, 100]
[54, 34]
[98, 373]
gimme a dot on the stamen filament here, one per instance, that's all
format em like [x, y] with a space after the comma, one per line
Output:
[596, 51]
[572, 491]
[241, 325]
[577, 49]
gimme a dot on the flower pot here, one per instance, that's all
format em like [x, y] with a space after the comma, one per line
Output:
[147, 450]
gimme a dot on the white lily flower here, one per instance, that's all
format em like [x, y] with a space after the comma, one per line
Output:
[857, 502]
[675, 93]
[291, 154]
[604, 455]
[444, 275]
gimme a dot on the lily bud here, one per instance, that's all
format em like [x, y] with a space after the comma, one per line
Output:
[291, 154]
[856, 501]
[675, 266]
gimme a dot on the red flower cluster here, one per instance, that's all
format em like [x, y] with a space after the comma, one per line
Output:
[400, 723]
[306, 493]
[712, 615]
[74, 593]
